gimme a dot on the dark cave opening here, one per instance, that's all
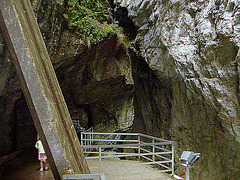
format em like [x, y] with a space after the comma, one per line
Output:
[24, 133]
[129, 28]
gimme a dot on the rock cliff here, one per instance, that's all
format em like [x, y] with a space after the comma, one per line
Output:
[192, 50]
[179, 78]
[96, 78]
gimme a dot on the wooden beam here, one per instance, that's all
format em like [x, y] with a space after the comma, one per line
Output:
[41, 89]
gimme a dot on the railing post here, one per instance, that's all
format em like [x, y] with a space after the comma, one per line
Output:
[153, 156]
[100, 159]
[187, 173]
[90, 141]
[91, 135]
[83, 142]
[172, 159]
[81, 139]
[139, 141]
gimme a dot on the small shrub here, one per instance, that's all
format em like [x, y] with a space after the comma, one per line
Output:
[89, 19]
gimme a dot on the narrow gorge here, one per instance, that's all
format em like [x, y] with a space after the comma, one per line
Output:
[166, 68]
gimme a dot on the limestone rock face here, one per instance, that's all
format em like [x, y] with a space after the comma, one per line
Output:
[100, 82]
[96, 80]
[192, 48]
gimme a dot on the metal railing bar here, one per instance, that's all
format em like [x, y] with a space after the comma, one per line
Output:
[149, 153]
[170, 169]
[109, 147]
[157, 146]
[156, 152]
[93, 152]
[164, 157]
[155, 138]
[110, 140]
[149, 159]
[118, 155]
[156, 143]
[90, 152]
[165, 170]
[147, 144]
[145, 150]
[123, 145]
[150, 144]
[93, 157]
[124, 134]
[150, 137]
[161, 148]
[157, 162]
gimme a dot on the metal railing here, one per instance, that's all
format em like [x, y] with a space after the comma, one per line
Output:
[147, 149]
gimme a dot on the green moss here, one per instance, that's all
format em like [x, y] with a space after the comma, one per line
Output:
[90, 19]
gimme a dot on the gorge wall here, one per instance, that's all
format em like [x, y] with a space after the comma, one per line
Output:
[178, 78]
[192, 48]
[96, 80]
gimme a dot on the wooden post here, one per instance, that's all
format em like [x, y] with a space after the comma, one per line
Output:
[41, 89]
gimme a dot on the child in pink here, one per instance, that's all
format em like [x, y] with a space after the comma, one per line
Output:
[41, 154]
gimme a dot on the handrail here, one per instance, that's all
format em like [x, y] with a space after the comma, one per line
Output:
[95, 133]
[157, 151]
[109, 140]
[124, 145]
[152, 137]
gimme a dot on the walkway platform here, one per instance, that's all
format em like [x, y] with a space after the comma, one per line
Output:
[124, 170]
[26, 165]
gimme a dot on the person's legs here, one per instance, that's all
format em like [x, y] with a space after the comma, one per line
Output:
[45, 164]
[41, 165]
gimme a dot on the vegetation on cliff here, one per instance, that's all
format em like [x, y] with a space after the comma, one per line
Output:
[91, 20]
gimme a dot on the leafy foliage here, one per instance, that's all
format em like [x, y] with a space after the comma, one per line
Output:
[89, 19]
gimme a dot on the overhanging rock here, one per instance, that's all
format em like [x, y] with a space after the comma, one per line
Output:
[41, 88]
